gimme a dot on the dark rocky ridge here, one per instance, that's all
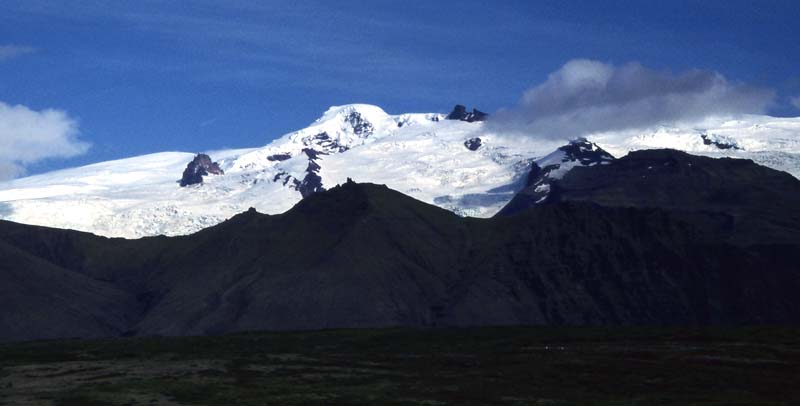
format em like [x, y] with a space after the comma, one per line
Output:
[761, 204]
[362, 255]
[200, 166]
[312, 182]
[460, 113]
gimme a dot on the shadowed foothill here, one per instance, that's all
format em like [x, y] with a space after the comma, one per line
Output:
[657, 237]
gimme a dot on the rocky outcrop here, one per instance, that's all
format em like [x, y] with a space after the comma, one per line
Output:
[460, 113]
[312, 182]
[325, 142]
[719, 141]
[278, 157]
[337, 142]
[200, 166]
[473, 144]
[361, 127]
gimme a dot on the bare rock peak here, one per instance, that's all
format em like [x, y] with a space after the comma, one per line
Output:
[200, 166]
[460, 113]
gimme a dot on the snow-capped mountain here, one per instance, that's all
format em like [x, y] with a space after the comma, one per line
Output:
[423, 155]
[453, 161]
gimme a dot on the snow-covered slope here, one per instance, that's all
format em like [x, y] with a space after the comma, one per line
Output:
[455, 164]
[769, 141]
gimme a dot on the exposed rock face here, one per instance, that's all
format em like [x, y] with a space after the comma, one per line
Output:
[541, 185]
[460, 113]
[473, 144]
[200, 166]
[719, 141]
[279, 157]
[312, 182]
[326, 143]
[585, 152]
[361, 126]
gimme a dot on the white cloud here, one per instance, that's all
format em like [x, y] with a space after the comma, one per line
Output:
[12, 51]
[28, 136]
[586, 96]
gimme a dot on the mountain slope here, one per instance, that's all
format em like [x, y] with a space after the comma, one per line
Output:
[42, 299]
[761, 203]
[363, 255]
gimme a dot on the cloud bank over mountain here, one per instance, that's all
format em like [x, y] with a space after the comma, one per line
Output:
[587, 96]
[28, 136]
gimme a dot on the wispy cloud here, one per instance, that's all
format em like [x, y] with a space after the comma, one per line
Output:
[312, 44]
[206, 123]
[586, 96]
[795, 102]
[8, 52]
[28, 136]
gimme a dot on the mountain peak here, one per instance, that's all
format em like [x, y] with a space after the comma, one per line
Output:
[547, 171]
[585, 151]
[352, 199]
[368, 111]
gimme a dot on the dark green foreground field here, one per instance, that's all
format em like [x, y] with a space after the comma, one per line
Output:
[522, 366]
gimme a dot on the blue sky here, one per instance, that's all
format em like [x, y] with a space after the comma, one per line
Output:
[138, 77]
